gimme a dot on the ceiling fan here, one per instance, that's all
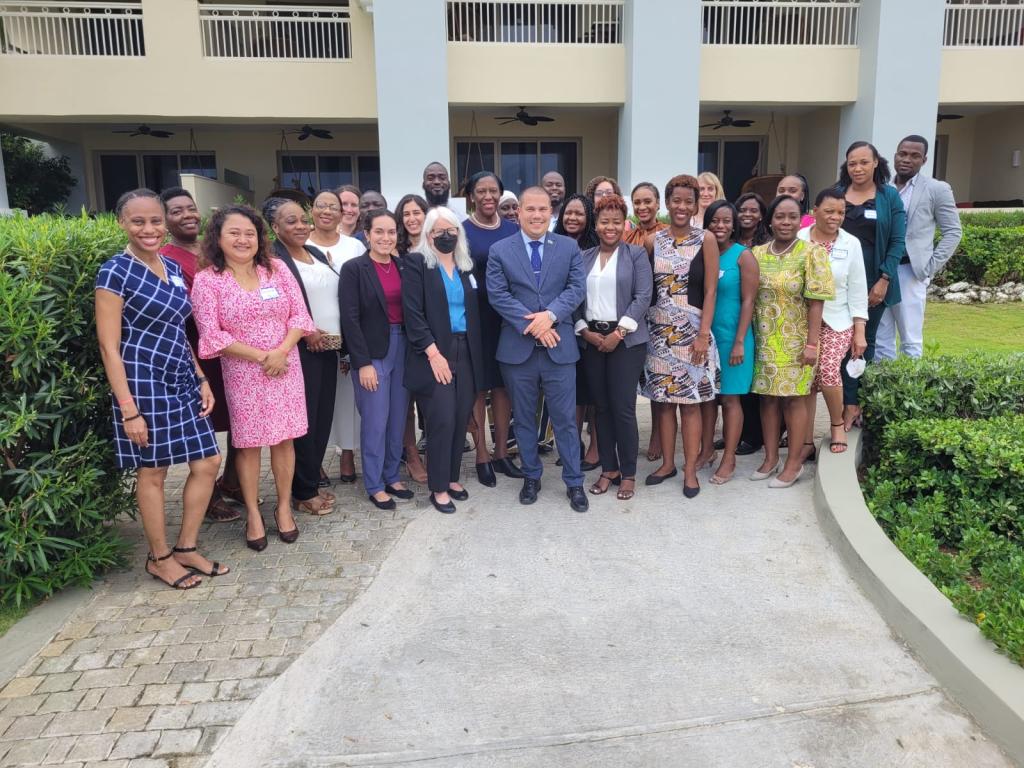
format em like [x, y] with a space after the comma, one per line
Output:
[524, 117]
[940, 117]
[307, 130]
[145, 130]
[728, 121]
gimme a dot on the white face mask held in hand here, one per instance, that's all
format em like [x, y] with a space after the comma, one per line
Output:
[856, 367]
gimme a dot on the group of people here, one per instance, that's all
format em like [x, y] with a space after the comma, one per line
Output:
[357, 322]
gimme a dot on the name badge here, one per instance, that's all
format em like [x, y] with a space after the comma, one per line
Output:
[269, 292]
[472, 281]
[175, 280]
[838, 254]
[870, 214]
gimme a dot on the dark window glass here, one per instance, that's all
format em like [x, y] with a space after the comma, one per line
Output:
[200, 165]
[741, 161]
[335, 170]
[160, 171]
[707, 157]
[471, 157]
[519, 165]
[560, 156]
[120, 174]
[369, 172]
[299, 172]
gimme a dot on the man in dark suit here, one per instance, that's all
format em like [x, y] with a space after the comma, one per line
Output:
[535, 281]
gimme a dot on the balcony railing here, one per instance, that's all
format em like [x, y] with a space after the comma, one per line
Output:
[983, 24]
[71, 28]
[298, 33]
[527, 21]
[781, 22]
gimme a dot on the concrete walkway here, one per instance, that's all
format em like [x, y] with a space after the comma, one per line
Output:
[721, 631]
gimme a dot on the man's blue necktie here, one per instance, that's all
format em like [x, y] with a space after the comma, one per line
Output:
[535, 259]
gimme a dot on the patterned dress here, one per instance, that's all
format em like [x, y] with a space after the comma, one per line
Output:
[669, 376]
[158, 362]
[780, 316]
[264, 410]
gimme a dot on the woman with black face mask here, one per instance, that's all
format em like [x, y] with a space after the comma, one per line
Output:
[444, 358]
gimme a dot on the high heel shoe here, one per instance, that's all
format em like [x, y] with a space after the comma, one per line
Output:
[288, 537]
[776, 483]
[256, 545]
[759, 475]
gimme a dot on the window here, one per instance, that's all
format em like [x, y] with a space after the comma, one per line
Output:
[520, 164]
[941, 153]
[732, 160]
[122, 171]
[310, 172]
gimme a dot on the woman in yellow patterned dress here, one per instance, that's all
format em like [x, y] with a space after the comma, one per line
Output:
[796, 280]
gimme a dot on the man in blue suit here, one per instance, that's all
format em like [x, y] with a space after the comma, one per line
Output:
[535, 281]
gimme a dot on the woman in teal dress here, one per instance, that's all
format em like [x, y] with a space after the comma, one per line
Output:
[732, 327]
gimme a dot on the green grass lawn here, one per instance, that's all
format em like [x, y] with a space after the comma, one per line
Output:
[958, 328]
[9, 615]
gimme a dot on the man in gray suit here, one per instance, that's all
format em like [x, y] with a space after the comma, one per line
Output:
[535, 282]
[929, 204]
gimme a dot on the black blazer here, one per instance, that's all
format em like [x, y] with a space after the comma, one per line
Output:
[427, 322]
[281, 253]
[364, 310]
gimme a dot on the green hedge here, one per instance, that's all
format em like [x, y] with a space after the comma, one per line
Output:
[968, 387]
[987, 255]
[979, 217]
[59, 487]
[950, 493]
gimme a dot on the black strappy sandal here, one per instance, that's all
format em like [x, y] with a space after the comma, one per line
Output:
[596, 488]
[216, 566]
[833, 443]
[175, 584]
[813, 455]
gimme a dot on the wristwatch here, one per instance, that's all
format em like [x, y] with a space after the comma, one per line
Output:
[621, 332]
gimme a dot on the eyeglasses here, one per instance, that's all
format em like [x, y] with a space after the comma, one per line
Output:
[327, 207]
[449, 232]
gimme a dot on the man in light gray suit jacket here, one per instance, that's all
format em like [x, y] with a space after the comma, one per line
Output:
[929, 204]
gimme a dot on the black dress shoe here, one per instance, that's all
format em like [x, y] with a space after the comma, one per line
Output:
[577, 498]
[745, 448]
[719, 444]
[485, 474]
[655, 479]
[446, 508]
[399, 493]
[587, 466]
[347, 479]
[528, 493]
[689, 492]
[507, 467]
[458, 495]
[389, 504]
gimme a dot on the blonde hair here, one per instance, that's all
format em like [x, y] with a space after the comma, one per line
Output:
[709, 179]
[463, 261]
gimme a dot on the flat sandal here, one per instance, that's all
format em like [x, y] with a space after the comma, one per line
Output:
[625, 494]
[215, 571]
[177, 583]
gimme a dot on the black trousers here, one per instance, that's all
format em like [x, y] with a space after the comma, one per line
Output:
[851, 386]
[612, 378]
[446, 413]
[751, 433]
[320, 378]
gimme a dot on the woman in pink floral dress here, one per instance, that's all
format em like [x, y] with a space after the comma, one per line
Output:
[250, 312]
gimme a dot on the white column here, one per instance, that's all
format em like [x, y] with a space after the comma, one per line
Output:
[898, 86]
[658, 124]
[4, 202]
[411, 54]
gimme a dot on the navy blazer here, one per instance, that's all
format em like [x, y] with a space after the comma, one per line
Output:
[425, 303]
[514, 293]
[364, 310]
[634, 283]
[281, 253]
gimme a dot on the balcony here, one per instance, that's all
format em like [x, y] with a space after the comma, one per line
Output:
[983, 45]
[830, 23]
[527, 21]
[296, 33]
[72, 28]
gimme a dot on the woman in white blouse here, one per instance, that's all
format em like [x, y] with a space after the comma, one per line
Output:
[327, 237]
[843, 321]
[318, 352]
[611, 324]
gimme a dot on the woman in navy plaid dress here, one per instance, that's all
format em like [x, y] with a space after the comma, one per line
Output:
[161, 400]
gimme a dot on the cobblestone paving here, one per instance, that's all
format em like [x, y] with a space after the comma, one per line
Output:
[143, 676]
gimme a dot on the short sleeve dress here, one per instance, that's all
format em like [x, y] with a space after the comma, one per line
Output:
[669, 376]
[780, 316]
[159, 365]
[264, 410]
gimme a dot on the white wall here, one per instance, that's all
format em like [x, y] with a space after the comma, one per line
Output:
[997, 135]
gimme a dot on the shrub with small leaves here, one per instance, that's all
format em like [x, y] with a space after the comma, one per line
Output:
[60, 489]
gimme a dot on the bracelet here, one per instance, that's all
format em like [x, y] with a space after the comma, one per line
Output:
[885, 277]
[131, 418]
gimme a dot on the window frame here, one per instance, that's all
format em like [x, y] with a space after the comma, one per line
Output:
[353, 155]
[496, 141]
[140, 170]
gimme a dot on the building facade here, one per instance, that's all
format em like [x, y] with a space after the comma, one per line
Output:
[244, 99]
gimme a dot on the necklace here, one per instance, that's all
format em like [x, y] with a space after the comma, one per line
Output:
[480, 224]
[826, 242]
[386, 270]
[787, 249]
[149, 266]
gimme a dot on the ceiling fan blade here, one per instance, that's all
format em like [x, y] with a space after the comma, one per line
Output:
[529, 121]
[162, 134]
[542, 119]
[304, 136]
[507, 117]
[742, 123]
[711, 125]
[720, 125]
[129, 130]
[942, 117]
[320, 133]
[136, 133]
[508, 120]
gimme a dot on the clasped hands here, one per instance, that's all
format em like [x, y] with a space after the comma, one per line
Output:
[541, 328]
[275, 363]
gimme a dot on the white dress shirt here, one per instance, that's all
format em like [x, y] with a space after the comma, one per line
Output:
[321, 284]
[850, 278]
[602, 294]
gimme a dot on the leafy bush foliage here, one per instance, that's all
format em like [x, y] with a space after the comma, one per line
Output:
[59, 486]
[979, 217]
[950, 493]
[35, 183]
[987, 255]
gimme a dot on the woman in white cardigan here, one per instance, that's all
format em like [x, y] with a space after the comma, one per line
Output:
[843, 321]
